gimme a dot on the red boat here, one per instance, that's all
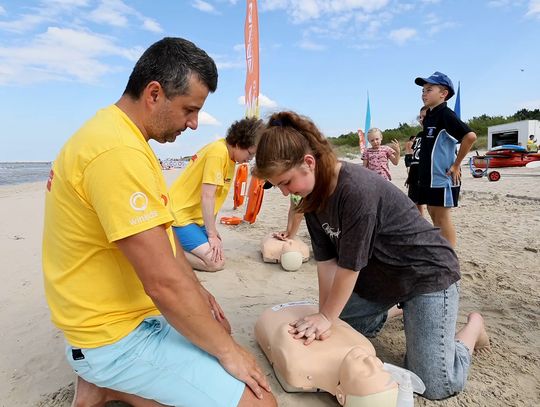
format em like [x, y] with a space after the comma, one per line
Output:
[505, 156]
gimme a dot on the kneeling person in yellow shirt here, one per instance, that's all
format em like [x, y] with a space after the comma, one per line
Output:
[139, 326]
[199, 192]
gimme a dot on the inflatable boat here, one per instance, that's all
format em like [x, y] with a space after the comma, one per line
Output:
[507, 155]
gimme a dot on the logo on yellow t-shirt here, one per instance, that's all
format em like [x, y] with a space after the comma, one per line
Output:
[138, 201]
[219, 177]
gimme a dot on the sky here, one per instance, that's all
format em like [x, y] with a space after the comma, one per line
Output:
[62, 60]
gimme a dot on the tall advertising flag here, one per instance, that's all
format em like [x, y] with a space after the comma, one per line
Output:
[457, 107]
[251, 39]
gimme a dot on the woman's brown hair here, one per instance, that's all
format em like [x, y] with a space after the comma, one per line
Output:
[285, 140]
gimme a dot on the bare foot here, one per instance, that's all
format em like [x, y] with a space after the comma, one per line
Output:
[474, 334]
[482, 342]
[394, 312]
[88, 394]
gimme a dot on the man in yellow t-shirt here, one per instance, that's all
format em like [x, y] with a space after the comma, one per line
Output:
[135, 317]
[199, 192]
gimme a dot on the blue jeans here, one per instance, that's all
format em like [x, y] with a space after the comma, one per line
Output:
[433, 353]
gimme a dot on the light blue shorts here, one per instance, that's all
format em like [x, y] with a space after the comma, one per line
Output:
[157, 363]
[191, 236]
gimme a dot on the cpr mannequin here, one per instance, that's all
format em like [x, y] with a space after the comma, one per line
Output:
[344, 365]
[291, 253]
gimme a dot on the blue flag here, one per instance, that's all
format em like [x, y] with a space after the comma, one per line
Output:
[457, 107]
[368, 119]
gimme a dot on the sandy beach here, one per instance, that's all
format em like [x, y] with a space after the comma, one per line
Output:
[498, 226]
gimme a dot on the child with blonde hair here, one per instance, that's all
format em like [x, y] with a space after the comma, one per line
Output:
[376, 157]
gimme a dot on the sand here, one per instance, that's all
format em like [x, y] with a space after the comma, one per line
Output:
[498, 227]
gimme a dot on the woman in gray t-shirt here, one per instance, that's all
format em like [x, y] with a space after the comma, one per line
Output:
[374, 251]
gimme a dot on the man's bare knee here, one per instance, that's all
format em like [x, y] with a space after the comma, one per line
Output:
[209, 265]
[250, 400]
[215, 266]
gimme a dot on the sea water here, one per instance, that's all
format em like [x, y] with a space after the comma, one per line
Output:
[12, 173]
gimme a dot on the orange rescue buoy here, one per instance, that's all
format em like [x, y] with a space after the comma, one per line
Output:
[255, 197]
[230, 220]
[240, 182]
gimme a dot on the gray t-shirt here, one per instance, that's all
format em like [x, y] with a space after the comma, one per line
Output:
[370, 226]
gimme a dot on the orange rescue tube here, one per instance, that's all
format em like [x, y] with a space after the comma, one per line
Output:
[230, 220]
[255, 197]
[240, 182]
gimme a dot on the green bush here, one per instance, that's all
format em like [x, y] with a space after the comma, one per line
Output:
[403, 132]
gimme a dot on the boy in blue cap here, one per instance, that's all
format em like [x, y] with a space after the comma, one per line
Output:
[439, 165]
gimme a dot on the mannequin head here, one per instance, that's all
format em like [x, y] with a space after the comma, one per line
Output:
[290, 253]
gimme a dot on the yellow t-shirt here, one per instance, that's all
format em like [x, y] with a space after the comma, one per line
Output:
[106, 184]
[211, 165]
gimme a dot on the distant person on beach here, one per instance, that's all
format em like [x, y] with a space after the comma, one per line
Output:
[199, 192]
[439, 166]
[139, 326]
[359, 224]
[532, 145]
[409, 152]
[412, 176]
[377, 156]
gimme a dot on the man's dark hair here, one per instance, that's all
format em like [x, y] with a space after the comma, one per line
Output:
[171, 62]
[244, 133]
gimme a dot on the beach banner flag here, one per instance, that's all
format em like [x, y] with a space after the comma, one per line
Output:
[251, 41]
[368, 121]
[457, 107]
[361, 141]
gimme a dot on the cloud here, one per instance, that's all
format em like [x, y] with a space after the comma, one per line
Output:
[533, 9]
[2, 11]
[111, 13]
[264, 102]
[303, 10]
[26, 22]
[152, 26]
[207, 119]
[116, 13]
[402, 35]
[61, 54]
[311, 46]
[499, 3]
[204, 6]
[59, 12]
[436, 25]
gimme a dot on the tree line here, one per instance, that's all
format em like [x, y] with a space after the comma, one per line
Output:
[478, 124]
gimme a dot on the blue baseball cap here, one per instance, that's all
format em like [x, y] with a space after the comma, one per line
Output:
[438, 78]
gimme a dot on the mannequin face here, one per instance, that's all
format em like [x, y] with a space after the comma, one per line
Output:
[299, 180]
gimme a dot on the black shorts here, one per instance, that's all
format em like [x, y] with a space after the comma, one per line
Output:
[408, 160]
[438, 196]
[412, 184]
[414, 192]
